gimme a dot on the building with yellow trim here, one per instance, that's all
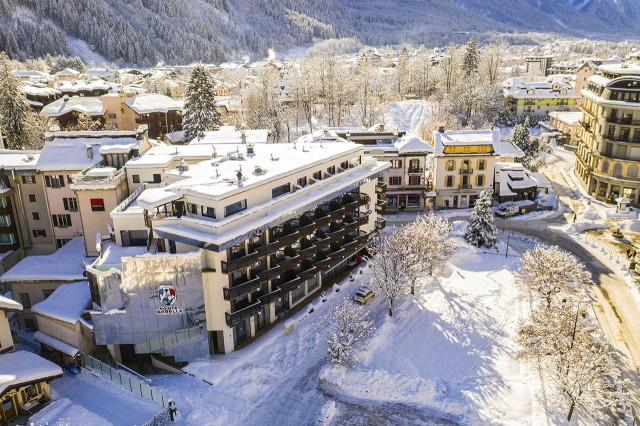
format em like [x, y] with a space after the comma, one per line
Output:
[608, 154]
[541, 97]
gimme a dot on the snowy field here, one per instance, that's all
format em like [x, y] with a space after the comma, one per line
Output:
[407, 116]
[446, 357]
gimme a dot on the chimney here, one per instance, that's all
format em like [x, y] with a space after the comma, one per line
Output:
[441, 129]
[183, 167]
[89, 151]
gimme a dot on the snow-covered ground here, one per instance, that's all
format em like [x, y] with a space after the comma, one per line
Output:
[86, 399]
[407, 116]
[82, 49]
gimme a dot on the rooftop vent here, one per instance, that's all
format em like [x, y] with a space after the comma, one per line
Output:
[259, 171]
[183, 167]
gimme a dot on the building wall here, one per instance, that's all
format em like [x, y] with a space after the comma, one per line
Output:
[73, 334]
[6, 340]
[542, 105]
[18, 397]
[35, 245]
[36, 293]
[55, 197]
[582, 77]
[448, 193]
[94, 222]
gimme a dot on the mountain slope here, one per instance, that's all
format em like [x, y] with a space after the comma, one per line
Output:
[143, 32]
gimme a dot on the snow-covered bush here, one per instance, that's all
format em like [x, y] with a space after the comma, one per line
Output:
[346, 327]
[481, 231]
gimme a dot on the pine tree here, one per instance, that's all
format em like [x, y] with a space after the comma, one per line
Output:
[15, 113]
[200, 112]
[521, 137]
[471, 57]
[481, 231]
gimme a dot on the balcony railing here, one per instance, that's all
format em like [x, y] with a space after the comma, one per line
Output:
[363, 199]
[241, 262]
[381, 223]
[624, 120]
[464, 171]
[416, 170]
[465, 186]
[237, 316]
[269, 297]
[241, 289]
[269, 274]
[381, 205]
[288, 284]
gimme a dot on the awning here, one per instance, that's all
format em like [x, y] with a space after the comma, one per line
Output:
[56, 344]
[403, 193]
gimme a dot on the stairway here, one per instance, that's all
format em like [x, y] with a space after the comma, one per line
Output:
[153, 246]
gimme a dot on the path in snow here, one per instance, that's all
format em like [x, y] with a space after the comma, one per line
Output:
[407, 116]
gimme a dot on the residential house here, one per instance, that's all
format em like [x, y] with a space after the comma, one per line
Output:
[62, 331]
[568, 123]
[589, 68]
[67, 74]
[541, 97]
[38, 95]
[24, 383]
[512, 182]
[67, 110]
[35, 278]
[90, 88]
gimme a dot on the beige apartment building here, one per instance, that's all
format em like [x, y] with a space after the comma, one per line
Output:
[7, 306]
[608, 154]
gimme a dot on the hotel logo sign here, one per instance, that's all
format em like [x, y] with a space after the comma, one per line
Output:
[167, 296]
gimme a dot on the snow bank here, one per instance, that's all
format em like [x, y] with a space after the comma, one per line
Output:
[590, 213]
[631, 225]
[378, 384]
[579, 227]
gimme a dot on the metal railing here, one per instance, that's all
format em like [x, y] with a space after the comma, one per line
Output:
[132, 385]
[127, 201]
[163, 418]
[159, 344]
[83, 178]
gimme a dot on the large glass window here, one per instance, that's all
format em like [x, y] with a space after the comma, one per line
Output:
[235, 208]
[7, 239]
[280, 190]
[209, 212]
[413, 201]
[5, 220]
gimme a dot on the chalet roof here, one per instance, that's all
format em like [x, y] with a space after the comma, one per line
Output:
[21, 367]
[87, 105]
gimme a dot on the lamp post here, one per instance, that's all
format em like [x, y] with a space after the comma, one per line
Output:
[506, 254]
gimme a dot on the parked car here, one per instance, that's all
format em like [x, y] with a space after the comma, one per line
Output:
[506, 211]
[364, 295]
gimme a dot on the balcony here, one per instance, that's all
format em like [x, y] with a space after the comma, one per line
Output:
[269, 297]
[286, 237]
[362, 220]
[239, 315]
[241, 289]
[308, 273]
[381, 223]
[363, 199]
[416, 170]
[624, 120]
[289, 283]
[240, 262]
[465, 186]
[466, 171]
[381, 187]
[268, 249]
[269, 274]
[289, 262]
[381, 205]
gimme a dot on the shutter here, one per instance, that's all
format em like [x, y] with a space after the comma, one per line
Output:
[47, 180]
[54, 218]
[390, 181]
[61, 181]
[68, 219]
[65, 201]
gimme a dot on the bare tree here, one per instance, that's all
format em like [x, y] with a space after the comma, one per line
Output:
[550, 271]
[346, 327]
[388, 265]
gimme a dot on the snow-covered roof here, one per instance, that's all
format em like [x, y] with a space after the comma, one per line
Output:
[66, 264]
[69, 150]
[162, 155]
[68, 71]
[230, 135]
[35, 89]
[87, 105]
[66, 303]
[56, 343]
[7, 304]
[542, 90]
[101, 72]
[112, 255]
[410, 144]
[18, 160]
[508, 149]
[465, 137]
[31, 74]
[75, 86]
[21, 367]
[625, 68]
[153, 102]
[569, 117]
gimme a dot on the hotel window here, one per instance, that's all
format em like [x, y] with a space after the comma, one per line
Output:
[7, 239]
[480, 180]
[235, 208]
[97, 204]
[61, 220]
[395, 180]
[54, 181]
[414, 180]
[192, 209]
[25, 300]
[396, 164]
[302, 182]
[280, 190]
[5, 220]
[70, 204]
[317, 175]
[37, 233]
[46, 293]
[62, 241]
[4, 203]
[135, 178]
[331, 170]
[482, 164]
[209, 212]
[451, 165]
[28, 179]
[157, 178]
[448, 181]
[32, 198]
[35, 215]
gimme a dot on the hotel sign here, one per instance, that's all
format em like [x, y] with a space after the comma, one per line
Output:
[167, 296]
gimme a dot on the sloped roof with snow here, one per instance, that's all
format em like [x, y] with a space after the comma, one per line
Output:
[7, 304]
[413, 144]
[543, 90]
[508, 149]
[465, 137]
[153, 102]
[68, 150]
[87, 105]
[75, 86]
[66, 303]
[24, 367]
[63, 265]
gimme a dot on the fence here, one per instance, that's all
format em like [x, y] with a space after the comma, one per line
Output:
[163, 418]
[135, 386]
[161, 343]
